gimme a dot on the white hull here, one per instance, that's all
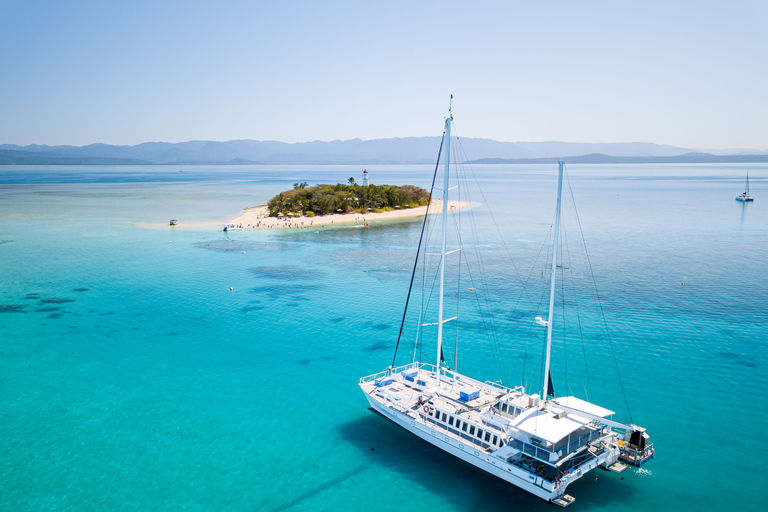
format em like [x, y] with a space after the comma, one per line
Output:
[486, 461]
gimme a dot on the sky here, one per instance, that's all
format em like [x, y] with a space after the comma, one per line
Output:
[692, 74]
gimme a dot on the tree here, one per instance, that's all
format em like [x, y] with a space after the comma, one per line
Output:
[324, 199]
[351, 181]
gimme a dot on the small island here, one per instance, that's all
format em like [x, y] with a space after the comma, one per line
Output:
[304, 207]
[345, 198]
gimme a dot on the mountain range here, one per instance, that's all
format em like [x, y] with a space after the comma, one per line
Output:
[407, 150]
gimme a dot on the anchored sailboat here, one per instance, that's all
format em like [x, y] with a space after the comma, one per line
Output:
[534, 441]
[744, 196]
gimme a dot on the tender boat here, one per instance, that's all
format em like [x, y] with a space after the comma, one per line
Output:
[536, 441]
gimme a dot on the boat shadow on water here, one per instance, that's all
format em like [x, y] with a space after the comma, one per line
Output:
[385, 444]
[297, 503]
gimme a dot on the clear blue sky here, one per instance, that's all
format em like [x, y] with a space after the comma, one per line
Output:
[686, 73]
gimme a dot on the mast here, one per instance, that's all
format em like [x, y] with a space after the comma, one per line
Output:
[747, 183]
[545, 391]
[442, 245]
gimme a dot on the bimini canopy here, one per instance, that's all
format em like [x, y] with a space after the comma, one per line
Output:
[584, 406]
[549, 425]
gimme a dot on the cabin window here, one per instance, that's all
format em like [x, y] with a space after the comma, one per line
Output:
[495, 440]
[444, 416]
[431, 412]
[450, 420]
[487, 437]
[503, 407]
[472, 430]
[479, 433]
[464, 426]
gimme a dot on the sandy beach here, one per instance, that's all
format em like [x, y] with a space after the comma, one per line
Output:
[256, 217]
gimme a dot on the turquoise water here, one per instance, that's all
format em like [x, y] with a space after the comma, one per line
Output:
[132, 378]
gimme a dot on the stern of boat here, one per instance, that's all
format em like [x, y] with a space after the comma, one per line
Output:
[636, 449]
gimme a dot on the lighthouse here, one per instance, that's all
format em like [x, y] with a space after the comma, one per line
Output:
[365, 178]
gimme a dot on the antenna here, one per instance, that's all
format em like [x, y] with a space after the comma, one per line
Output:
[450, 105]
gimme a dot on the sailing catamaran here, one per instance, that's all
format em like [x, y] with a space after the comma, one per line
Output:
[536, 441]
[745, 195]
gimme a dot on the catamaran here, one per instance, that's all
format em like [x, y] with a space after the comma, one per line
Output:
[744, 196]
[537, 441]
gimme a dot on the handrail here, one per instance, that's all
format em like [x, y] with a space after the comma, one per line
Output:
[507, 389]
[389, 371]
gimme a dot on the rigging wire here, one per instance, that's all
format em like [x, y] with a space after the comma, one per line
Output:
[435, 284]
[424, 298]
[600, 305]
[484, 306]
[563, 257]
[545, 290]
[567, 255]
[485, 311]
[418, 249]
[457, 221]
[528, 333]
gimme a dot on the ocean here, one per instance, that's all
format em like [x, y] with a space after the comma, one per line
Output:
[149, 367]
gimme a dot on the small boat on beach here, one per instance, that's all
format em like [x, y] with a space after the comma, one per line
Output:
[537, 441]
[744, 196]
[174, 222]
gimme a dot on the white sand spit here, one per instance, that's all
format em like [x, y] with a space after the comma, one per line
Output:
[256, 217]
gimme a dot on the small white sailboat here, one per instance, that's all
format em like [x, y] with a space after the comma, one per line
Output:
[535, 441]
[744, 196]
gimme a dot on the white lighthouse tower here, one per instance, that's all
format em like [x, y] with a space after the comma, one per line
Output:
[365, 178]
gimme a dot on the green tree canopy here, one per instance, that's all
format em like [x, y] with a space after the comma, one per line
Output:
[347, 197]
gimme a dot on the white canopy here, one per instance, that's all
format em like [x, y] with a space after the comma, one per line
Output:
[584, 406]
[547, 426]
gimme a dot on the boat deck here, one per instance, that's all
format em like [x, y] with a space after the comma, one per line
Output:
[461, 409]
[490, 416]
[535, 444]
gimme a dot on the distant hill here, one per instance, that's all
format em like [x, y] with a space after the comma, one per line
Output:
[407, 150]
[599, 158]
[8, 157]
